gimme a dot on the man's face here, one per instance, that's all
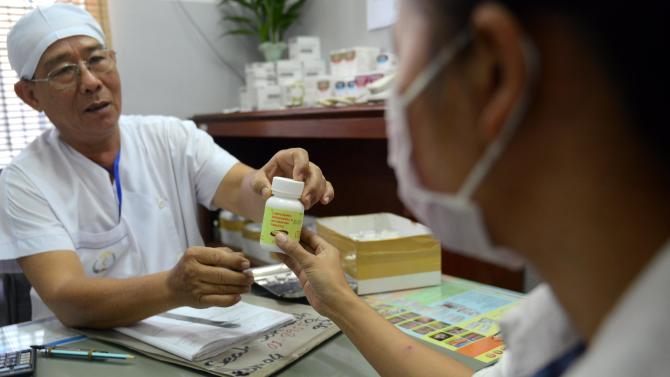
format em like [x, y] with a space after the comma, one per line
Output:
[88, 111]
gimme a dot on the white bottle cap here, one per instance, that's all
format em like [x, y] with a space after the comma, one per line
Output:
[287, 187]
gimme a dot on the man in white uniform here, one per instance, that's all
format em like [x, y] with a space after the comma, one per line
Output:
[100, 212]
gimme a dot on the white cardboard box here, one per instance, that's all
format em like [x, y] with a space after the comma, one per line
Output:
[245, 102]
[353, 61]
[288, 71]
[337, 64]
[260, 74]
[318, 88]
[268, 97]
[304, 48]
[313, 68]
[386, 62]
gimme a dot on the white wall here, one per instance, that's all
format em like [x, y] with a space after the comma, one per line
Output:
[167, 68]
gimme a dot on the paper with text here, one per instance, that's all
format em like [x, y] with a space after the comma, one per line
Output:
[196, 341]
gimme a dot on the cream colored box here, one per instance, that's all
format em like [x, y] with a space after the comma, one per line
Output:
[313, 68]
[245, 100]
[260, 74]
[384, 252]
[304, 48]
[288, 71]
[318, 88]
[268, 97]
[353, 61]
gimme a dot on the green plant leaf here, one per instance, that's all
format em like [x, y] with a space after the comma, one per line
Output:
[239, 19]
[240, 32]
[295, 8]
[268, 19]
[279, 7]
[263, 32]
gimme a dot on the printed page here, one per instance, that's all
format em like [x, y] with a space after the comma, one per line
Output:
[180, 333]
[262, 356]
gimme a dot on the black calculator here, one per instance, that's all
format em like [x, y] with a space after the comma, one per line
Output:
[20, 363]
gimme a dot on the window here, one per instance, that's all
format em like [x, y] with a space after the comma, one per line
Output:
[19, 123]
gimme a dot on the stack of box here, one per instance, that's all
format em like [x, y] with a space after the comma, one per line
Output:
[262, 91]
[289, 75]
[307, 50]
[272, 86]
[314, 73]
[302, 80]
[304, 48]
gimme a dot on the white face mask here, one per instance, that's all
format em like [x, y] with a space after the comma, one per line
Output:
[454, 218]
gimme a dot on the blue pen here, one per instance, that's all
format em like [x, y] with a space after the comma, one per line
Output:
[90, 355]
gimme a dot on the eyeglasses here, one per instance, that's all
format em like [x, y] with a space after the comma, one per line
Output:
[66, 76]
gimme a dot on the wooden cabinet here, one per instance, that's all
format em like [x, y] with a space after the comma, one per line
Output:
[349, 144]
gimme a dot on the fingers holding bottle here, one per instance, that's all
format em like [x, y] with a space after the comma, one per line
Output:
[317, 265]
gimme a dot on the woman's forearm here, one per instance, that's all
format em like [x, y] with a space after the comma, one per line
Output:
[389, 350]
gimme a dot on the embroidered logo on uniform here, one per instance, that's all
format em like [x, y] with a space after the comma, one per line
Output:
[103, 262]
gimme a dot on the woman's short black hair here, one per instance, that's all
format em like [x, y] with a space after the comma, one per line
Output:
[627, 37]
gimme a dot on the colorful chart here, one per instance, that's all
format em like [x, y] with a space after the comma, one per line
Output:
[459, 315]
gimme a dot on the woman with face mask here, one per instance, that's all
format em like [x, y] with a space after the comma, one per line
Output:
[529, 131]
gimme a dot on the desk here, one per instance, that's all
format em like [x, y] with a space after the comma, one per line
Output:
[335, 357]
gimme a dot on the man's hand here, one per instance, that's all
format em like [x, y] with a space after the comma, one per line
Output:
[244, 190]
[209, 277]
[294, 163]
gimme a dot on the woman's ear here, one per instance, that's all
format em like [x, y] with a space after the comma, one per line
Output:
[26, 91]
[499, 34]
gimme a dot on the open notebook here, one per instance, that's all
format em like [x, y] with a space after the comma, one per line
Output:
[196, 334]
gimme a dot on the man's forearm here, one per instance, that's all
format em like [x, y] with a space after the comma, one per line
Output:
[105, 303]
[391, 352]
[235, 193]
[251, 205]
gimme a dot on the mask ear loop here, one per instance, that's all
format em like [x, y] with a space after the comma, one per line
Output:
[495, 149]
[443, 58]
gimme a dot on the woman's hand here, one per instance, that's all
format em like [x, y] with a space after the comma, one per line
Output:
[319, 271]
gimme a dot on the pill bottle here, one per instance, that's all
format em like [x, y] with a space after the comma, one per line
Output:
[283, 213]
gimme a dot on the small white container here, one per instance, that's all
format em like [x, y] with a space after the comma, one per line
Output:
[251, 239]
[283, 213]
[230, 229]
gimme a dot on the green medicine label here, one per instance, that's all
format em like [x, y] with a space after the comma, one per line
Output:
[277, 220]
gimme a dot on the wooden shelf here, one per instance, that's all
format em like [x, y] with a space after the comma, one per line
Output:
[353, 122]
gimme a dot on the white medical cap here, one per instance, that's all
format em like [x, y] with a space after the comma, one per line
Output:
[40, 28]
